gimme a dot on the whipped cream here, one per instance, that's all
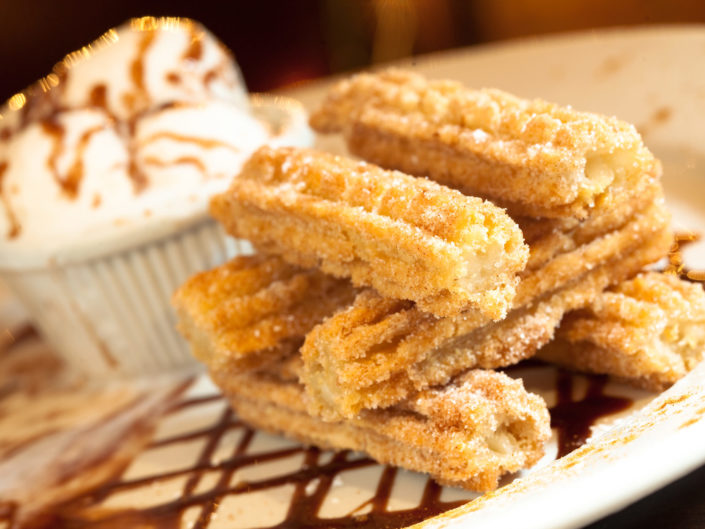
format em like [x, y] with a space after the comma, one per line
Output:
[126, 141]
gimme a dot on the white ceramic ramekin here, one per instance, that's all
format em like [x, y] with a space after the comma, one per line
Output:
[106, 308]
[112, 314]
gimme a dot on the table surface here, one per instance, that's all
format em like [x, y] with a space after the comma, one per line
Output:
[680, 505]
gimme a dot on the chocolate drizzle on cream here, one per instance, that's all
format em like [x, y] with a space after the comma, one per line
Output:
[42, 104]
[71, 181]
[205, 143]
[190, 160]
[56, 133]
[98, 97]
[14, 229]
[173, 77]
[135, 100]
[195, 47]
[74, 176]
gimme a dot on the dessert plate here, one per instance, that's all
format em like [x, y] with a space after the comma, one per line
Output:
[203, 468]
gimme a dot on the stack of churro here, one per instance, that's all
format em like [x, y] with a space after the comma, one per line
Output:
[648, 331]
[380, 302]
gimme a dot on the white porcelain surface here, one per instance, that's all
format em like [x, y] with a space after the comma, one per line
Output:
[652, 77]
[112, 316]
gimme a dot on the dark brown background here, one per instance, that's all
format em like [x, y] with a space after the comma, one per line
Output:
[282, 42]
[278, 43]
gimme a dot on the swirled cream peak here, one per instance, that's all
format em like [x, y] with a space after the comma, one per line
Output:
[126, 137]
[149, 63]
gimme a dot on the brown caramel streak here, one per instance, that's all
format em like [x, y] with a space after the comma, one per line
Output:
[74, 176]
[15, 228]
[133, 100]
[194, 51]
[206, 143]
[56, 132]
[137, 70]
[98, 97]
[189, 160]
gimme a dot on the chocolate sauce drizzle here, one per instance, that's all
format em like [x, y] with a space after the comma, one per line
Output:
[42, 106]
[187, 160]
[14, 228]
[71, 184]
[573, 419]
[55, 130]
[134, 100]
[195, 48]
[98, 97]
[206, 143]
[312, 483]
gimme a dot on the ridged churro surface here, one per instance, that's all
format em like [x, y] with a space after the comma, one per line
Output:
[255, 309]
[377, 351]
[407, 237]
[533, 157]
[649, 330]
[468, 433]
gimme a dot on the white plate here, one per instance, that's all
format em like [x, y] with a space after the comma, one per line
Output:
[654, 78]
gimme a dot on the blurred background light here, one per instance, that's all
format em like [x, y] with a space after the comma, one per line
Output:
[283, 42]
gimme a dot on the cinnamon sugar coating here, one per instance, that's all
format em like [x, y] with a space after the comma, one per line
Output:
[255, 309]
[649, 330]
[398, 371]
[409, 238]
[533, 157]
[378, 351]
[467, 434]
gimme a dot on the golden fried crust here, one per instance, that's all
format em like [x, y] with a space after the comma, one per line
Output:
[467, 434]
[649, 330]
[254, 310]
[377, 351]
[407, 237]
[548, 238]
[532, 157]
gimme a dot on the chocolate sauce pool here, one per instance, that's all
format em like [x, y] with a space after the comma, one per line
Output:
[573, 419]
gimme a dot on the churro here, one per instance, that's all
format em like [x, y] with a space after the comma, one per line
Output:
[255, 309]
[378, 351]
[407, 237]
[467, 434]
[532, 157]
[447, 286]
[649, 330]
